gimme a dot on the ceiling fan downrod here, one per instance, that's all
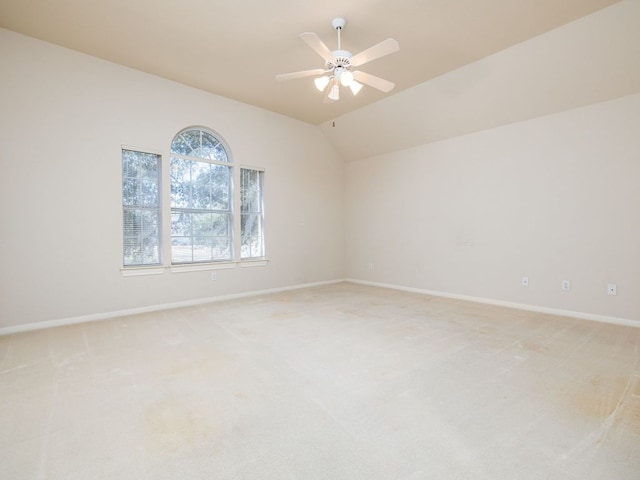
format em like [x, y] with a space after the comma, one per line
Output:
[338, 24]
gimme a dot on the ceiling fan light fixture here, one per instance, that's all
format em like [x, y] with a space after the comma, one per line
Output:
[321, 82]
[334, 93]
[355, 87]
[346, 78]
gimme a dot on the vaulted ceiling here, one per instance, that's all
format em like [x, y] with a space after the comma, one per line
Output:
[235, 49]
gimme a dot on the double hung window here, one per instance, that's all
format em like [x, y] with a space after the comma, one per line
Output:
[141, 208]
[251, 218]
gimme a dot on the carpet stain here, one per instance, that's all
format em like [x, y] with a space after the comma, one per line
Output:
[599, 398]
[356, 313]
[609, 399]
[284, 315]
[532, 346]
[197, 367]
[405, 330]
[176, 424]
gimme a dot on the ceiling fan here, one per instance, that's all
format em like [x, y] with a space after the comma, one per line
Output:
[340, 65]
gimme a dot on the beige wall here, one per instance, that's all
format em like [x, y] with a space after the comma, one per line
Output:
[63, 119]
[555, 198]
[524, 163]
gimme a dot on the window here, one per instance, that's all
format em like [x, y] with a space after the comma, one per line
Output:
[201, 199]
[204, 213]
[251, 217]
[141, 208]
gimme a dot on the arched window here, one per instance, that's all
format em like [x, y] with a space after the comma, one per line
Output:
[201, 198]
[203, 228]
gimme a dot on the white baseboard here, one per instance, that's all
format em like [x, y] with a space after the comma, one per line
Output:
[200, 301]
[153, 308]
[519, 306]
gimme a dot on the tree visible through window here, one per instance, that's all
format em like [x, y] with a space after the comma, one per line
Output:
[251, 215]
[141, 207]
[201, 198]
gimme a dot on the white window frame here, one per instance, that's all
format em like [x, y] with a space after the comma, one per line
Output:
[148, 268]
[192, 211]
[165, 217]
[261, 172]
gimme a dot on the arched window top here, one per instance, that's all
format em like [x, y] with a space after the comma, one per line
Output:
[201, 144]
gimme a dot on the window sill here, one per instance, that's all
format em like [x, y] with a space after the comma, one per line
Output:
[254, 263]
[137, 271]
[156, 270]
[198, 267]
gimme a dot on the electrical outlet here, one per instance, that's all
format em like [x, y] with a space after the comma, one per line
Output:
[525, 281]
[566, 285]
[612, 289]
[371, 267]
[214, 276]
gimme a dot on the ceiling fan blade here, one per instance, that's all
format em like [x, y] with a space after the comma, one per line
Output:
[301, 74]
[373, 81]
[380, 50]
[318, 45]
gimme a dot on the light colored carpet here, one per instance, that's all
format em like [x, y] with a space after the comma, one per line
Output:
[338, 382]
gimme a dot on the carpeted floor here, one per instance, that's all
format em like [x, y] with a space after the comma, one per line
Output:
[341, 382]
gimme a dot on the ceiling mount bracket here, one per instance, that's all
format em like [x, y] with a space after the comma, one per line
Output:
[338, 23]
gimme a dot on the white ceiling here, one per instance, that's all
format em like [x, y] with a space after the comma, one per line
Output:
[235, 48]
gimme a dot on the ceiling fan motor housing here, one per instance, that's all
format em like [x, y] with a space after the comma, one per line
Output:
[342, 58]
